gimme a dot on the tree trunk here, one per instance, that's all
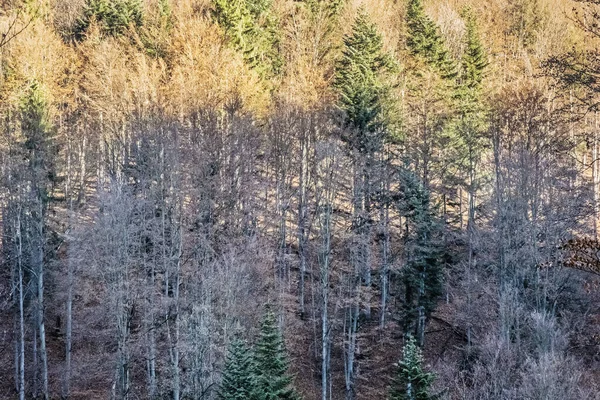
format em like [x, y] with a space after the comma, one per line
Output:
[595, 174]
[302, 216]
[39, 261]
[69, 324]
[385, 241]
[21, 347]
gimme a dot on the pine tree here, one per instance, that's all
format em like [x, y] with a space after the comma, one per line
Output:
[271, 364]
[39, 138]
[422, 275]
[114, 16]
[473, 63]
[471, 116]
[425, 41]
[364, 98]
[412, 382]
[252, 29]
[238, 379]
[360, 80]
[431, 76]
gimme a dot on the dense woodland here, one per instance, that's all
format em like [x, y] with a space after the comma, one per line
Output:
[300, 199]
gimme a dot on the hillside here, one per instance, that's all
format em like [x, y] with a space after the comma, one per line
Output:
[290, 198]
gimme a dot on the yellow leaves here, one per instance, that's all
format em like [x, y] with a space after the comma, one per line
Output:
[208, 73]
[37, 53]
[305, 86]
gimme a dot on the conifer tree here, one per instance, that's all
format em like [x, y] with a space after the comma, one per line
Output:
[39, 151]
[425, 41]
[114, 16]
[431, 73]
[412, 382]
[324, 19]
[238, 379]
[422, 275]
[364, 98]
[468, 139]
[251, 27]
[473, 63]
[470, 121]
[272, 381]
[360, 80]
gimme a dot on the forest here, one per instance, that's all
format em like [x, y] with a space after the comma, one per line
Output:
[300, 199]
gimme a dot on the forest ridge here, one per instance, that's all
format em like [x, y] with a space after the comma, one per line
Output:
[300, 199]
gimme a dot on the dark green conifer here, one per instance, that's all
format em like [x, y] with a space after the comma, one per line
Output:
[271, 364]
[360, 80]
[238, 379]
[252, 28]
[425, 41]
[422, 274]
[39, 139]
[467, 140]
[114, 16]
[473, 64]
[412, 382]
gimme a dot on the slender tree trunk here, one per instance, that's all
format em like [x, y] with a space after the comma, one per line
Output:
[351, 328]
[39, 260]
[82, 171]
[35, 378]
[21, 348]
[302, 216]
[470, 234]
[176, 379]
[385, 240]
[595, 174]
[69, 325]
[69, 306]
[325, 251]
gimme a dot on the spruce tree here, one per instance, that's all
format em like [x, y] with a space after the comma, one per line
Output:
[271, 364]
[431, 76]
[425, 41]
[412, 382]
[360, 80]
[252, 28]
[113, 16]
[39, 138]
[469, 125]
[238, 379]
[323, 17]
[473, 63]
[422, 274]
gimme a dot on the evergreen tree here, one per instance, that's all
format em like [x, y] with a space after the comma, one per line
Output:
[114, 16]
[425, 41]
[252, 29]
[430, 84]
[473, 63]
[332, 8]
[360, 80]
[238, 379]
[412, 382]
[271, 364]
[157, 30]
[39, 138]
[39, 151]
[468, 140]
[422, 275]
